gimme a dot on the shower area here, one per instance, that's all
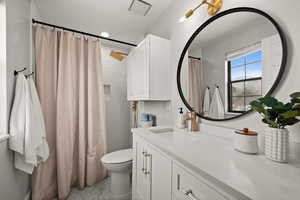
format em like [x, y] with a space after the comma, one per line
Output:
[82, 90]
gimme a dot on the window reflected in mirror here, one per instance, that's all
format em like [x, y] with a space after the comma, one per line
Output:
[244, 80]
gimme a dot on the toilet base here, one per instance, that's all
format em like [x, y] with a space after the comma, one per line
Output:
[120, 184]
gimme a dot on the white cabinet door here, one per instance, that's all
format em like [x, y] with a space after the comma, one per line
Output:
[148, 69]
[152, 175]
[138, 72]
[161, 175]
[159, 58]
[143, 179]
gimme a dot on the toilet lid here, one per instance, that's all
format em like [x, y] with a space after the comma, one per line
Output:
[118, 156]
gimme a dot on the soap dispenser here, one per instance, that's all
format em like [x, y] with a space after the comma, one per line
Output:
[181, 122]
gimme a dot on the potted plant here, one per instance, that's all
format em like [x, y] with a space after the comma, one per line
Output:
[277, 115]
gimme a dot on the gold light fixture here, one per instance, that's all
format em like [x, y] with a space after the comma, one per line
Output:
[118, 55]
[213, 7]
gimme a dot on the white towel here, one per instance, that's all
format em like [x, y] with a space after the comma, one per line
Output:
[206, 102]
[216, 109]
[17, 125]
[36, 146]
[17, 116]
[27, 128]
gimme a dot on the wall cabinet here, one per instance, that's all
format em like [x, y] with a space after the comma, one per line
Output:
[148, 70]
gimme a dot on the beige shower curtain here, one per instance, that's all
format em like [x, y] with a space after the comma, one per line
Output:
[195, 84]
[70, 86]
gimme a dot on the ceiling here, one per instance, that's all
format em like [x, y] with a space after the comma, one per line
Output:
[96, 16]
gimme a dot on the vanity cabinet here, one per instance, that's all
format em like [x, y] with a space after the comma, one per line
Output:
[151, 173]
[158, 176]
[205, 166]
[148, 70]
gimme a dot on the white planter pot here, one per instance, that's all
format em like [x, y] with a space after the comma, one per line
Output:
[277, 144]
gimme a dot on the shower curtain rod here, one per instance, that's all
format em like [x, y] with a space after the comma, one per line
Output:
[83, 33]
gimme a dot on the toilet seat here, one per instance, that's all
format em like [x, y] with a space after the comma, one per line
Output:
[122, 156]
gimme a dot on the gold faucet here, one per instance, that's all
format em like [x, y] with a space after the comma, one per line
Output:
[194, 123]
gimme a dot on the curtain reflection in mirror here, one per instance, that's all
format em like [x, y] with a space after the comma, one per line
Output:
[195, 84]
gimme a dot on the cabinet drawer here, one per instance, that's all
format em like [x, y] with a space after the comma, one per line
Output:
[187, 187]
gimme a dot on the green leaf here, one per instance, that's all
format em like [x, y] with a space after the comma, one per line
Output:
[295, 95]
[295, 100]
[297, 106]
[280, 108]
[289, 122]
[290, 114]
[271, 123]
[269, 101]
[288, 106]
[271, 114]
[257, 106]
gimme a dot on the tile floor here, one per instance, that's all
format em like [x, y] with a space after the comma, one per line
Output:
[99, 191]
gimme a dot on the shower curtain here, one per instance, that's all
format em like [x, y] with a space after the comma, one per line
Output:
[70, 87]
[195, 84]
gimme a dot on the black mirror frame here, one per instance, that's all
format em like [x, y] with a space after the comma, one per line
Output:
[205, 24]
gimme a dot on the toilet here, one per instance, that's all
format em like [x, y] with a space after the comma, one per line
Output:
[119, 164]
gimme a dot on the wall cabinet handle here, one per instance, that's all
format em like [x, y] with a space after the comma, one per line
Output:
[189, 193]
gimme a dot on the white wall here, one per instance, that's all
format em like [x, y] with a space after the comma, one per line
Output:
[13, 183]
[3, 100]
[179, 33]
[117, 107]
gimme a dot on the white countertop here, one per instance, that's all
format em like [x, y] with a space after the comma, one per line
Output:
[251, 175]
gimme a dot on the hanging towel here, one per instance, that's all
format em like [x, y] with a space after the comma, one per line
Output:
[27, 128]
[17, 116]
[216, 109]
[17, 125]
[206, 103]
[36, 146]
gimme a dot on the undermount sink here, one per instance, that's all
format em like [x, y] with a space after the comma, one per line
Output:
[161, 130]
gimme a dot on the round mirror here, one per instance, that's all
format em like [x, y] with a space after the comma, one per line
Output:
[232, 59]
